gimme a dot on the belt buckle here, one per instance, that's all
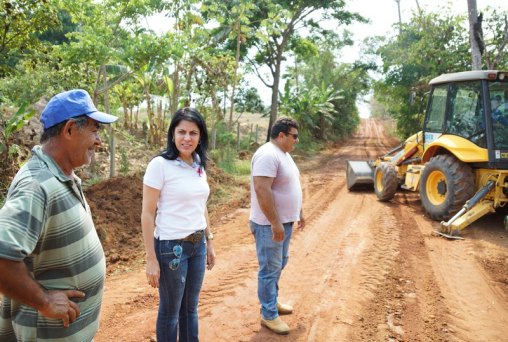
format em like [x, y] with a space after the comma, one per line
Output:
[195, 237]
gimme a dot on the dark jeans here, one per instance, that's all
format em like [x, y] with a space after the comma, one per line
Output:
[179, 290]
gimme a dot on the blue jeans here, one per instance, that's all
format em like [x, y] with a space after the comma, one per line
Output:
[272, 258]
[179, 290]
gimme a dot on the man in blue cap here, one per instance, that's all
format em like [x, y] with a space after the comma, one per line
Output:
[52, 264]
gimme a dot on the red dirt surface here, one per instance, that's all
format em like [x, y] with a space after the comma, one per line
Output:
[362, 270]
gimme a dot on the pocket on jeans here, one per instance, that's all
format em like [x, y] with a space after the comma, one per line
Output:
[252, 227]
[166, 247]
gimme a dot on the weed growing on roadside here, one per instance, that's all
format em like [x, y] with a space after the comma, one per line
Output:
[92, 181]
[236, 167]
[124, 161]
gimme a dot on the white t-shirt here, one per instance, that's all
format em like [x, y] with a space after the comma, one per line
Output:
[270, 161]
[182, 201]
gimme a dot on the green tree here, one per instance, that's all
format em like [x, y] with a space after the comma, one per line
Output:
[248, 100]
[282, 21]
[313, 108]
[235, 19]
[429, 45]
[20, 23]
[495, 38]
[351, 81]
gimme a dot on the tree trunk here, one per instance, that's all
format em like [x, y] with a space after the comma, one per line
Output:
[275, 92]
[400, 18]
[136, 120]
[237, 60]
[111, 133]
[149, 113]
[475, 35]
[188, 84]
[125, 107]
[173, 106]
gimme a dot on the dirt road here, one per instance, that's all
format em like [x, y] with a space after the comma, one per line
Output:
[362, 270]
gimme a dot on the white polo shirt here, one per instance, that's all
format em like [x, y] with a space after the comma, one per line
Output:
[182, 201]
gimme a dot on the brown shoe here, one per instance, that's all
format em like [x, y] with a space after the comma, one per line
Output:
[276, 325]
[284, 309]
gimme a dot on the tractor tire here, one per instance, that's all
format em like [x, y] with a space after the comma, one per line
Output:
[386, 181]
[446, 184]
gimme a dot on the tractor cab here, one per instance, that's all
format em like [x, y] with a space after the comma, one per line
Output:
[470, 106]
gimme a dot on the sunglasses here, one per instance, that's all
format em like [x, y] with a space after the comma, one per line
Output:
[294, 135]
[177, 251]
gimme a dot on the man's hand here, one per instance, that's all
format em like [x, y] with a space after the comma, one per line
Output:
[60, 306]
[278, 232]
[22, 287]
[301, 223]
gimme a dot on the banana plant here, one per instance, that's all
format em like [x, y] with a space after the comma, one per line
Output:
[313, 108]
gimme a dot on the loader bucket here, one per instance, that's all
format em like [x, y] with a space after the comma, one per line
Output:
[359, 175]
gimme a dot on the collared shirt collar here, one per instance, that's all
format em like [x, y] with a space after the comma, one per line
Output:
[53, 166]
[195, 163]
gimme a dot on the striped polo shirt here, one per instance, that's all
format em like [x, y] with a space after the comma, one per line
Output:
[47, 224]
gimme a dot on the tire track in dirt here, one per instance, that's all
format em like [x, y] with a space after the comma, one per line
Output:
[408, 304]
[477, 311]
[360, 263]
[456, 299]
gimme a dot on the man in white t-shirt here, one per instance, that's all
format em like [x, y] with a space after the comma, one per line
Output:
[276, 203]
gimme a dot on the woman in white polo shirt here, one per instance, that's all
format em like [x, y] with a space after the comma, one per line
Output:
[176, 231]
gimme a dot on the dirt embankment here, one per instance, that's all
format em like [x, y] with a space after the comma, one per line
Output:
[362, 270]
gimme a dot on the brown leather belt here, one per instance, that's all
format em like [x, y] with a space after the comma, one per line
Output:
[195, 237]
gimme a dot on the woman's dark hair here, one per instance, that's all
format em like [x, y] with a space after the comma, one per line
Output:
[192, 115]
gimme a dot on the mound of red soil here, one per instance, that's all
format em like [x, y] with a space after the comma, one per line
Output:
[116, 208]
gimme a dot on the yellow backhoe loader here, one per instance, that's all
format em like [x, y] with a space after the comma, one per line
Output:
[459, 161]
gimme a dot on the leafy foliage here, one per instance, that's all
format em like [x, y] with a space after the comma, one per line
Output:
[248, 100]
[429, 45]
[8, 149]
[21, 21]
[495, 30]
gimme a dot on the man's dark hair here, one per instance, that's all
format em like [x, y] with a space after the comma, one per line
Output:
[81, 122]
[192, 115]
[282, 125]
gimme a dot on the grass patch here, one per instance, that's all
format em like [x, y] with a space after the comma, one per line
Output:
[236, 167]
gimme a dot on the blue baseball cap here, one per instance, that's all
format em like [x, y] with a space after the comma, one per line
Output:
[70, 104]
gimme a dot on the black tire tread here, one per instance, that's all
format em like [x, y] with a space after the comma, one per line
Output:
[460, 186]
[389, 179]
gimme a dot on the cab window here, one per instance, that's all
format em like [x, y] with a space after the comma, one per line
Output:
[437, 109]
[465, 117]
